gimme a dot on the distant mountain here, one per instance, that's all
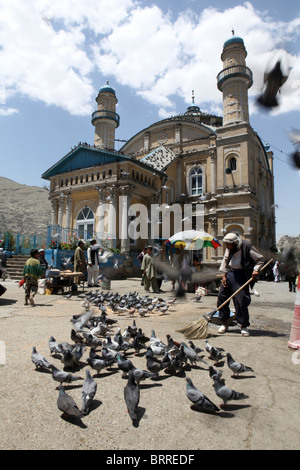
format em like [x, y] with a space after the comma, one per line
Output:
[24, 209]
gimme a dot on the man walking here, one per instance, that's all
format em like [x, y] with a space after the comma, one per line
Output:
[149, 271]
[241, 261]
[31, 273]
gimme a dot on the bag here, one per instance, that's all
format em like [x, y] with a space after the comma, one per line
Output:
[41, 286]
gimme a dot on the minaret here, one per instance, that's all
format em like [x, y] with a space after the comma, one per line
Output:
[105, 119]
[234, 81]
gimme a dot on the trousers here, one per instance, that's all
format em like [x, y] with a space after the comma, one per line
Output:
[242, 300]
[92, 275]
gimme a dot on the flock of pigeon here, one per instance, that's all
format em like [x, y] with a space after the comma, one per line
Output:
[107, 351]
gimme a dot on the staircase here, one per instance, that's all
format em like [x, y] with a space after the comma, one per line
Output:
[15, 266]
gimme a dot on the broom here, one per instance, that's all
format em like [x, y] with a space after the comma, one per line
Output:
[198, 329]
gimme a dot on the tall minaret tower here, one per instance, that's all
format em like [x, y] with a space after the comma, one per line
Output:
[105, 119]
[234, 81]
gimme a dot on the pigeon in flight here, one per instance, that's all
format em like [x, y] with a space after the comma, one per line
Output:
[274, 81]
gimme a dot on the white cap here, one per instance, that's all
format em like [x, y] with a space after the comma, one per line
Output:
[232, 238]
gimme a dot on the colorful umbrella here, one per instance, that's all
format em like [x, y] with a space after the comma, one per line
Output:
[194, 239]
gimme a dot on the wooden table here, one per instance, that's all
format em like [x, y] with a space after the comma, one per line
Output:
[71, 276]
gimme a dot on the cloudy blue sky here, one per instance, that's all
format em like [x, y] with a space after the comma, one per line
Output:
[56, 54]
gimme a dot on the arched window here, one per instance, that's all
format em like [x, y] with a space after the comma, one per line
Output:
[196, 181]
[85, 223]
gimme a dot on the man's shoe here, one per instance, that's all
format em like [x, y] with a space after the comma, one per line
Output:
[31, 301]
[244, 332]
[223, 328]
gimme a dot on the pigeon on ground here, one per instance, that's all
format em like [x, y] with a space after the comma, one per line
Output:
[125, 365]
[111, 344]
[140, 374]
[54, 346]
[67, 405]
[154, 365]
[88, 392]
[214, 353]
[194, 347]
[132, 396]
[100, 330]
[225, 393]
[109, 354]
[190, 354]
[236, 367]
[213, 372]
[198, 398]
[97, 364]
[39, 360]
[77, 338]
[92, 340]
[62, 376]
[137, 346]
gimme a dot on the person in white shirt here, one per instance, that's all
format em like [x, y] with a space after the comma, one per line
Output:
[241, 261]
[93, 264]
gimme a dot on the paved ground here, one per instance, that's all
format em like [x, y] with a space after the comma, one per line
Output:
[267, 419]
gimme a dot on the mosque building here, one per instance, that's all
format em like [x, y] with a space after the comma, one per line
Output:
[214, 169]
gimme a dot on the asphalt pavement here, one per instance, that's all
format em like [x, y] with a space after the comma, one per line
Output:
[267, 418]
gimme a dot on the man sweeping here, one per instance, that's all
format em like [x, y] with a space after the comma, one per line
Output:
[241, 262]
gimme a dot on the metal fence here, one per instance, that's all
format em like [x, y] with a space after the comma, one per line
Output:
[21, 244]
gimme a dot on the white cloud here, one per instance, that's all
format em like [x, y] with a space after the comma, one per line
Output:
[51, 50]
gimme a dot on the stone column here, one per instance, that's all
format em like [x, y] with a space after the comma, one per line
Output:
[60, 209]
[100, 214]
[54, 209]
[213, 163]
[68, 217]
[112, 217]
[124, 203]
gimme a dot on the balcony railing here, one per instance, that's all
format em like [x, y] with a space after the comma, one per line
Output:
[106, 115]
[235, 71]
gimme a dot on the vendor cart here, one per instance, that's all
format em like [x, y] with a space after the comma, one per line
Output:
[58, 281]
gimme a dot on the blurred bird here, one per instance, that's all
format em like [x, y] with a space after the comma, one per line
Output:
[184, 274]
[274, 81]
[295, 156]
